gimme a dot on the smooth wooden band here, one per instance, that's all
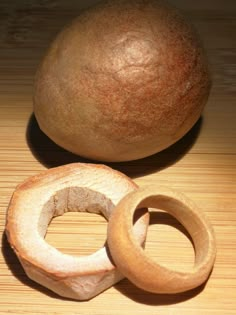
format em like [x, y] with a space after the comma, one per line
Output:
[130, 257]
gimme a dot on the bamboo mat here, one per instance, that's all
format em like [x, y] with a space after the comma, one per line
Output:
[202, 165]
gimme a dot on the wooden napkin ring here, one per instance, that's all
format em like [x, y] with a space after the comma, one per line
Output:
[130, 257]
[72, 187]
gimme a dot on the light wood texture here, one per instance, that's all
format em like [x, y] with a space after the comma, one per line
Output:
[202, 165]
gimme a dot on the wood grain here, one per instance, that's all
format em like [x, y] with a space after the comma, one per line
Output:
[202, 165]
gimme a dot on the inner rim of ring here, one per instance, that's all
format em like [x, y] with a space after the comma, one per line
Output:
[76, 199]
[194, 225]
[168, 242]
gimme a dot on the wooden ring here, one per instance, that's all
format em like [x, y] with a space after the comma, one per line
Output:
[130, 257]
[72, 187]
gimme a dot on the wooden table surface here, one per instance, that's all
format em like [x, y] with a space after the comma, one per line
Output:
[202, 165]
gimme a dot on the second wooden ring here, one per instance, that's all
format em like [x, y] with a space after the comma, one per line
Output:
[130, 257]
